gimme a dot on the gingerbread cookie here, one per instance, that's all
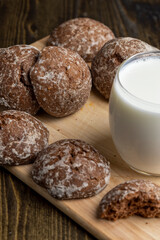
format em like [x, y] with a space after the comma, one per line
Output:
[22, 137]
[83, 35]
[61, 80]
[138, 197]
[16, 91]
[71, 169]
[109, 58]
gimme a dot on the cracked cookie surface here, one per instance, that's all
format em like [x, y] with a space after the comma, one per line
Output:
[138, 197]
[109, 58]
[61, 80]
[16, 91]
[21, 137]
[71, 169]
[83, 35]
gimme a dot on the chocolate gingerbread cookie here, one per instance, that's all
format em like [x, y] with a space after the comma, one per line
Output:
[109, 58]
[22, 137]
[16, 91]
[138, 197]
[83, 35]
[71, 169]
[61, 80]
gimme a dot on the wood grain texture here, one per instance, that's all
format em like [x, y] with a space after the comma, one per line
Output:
[26, 215]
[91, 124]
[23, 213]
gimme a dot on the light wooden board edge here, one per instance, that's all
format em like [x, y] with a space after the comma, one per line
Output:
[59, 204]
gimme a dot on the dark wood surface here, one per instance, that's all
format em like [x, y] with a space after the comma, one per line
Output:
[23, 213]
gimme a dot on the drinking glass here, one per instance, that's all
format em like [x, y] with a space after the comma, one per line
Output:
[135, 123]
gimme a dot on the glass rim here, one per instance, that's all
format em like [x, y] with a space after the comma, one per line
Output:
[127, 61]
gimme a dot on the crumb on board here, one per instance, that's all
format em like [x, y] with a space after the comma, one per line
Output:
[91, 104]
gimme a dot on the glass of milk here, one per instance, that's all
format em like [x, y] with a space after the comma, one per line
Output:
[134, 112]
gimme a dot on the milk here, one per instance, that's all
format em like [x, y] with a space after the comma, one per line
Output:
[135, 113]
[142, 79]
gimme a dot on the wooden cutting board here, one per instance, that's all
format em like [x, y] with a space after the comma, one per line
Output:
[91, 125]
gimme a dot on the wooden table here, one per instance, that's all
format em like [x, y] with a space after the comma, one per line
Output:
[23, 213]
